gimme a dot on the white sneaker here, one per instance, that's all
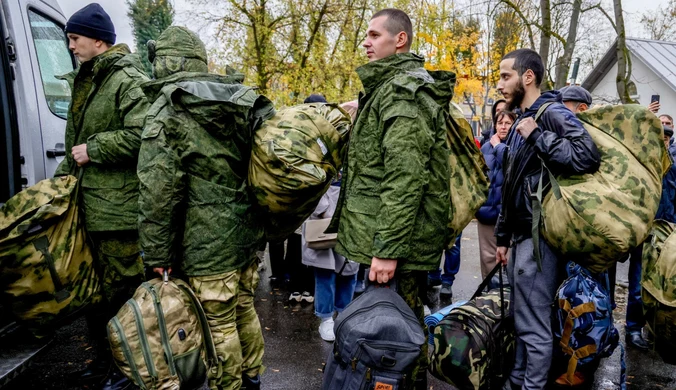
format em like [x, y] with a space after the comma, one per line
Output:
[326, 330]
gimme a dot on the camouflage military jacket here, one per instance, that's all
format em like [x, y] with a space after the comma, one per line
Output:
[107, 113]
[394, 200]
[195, 208]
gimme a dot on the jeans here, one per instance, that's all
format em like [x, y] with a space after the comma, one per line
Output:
[333, 292]
[451, 265]
[635, 320]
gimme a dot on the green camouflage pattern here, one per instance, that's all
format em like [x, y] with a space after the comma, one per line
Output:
[178, 49]
[228, 300]
[295, 156]
[196, 211]
[394, 201]
[46, 210]
[411, 286]
[599, 217]
[469, 173]
[107, 113]
[472, 350]
[139, 347]
[658, 282]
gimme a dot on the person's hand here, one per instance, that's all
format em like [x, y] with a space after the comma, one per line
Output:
[382, 270]
[654, 107]
[526, 127]
[501, 255]
[495, 139]
[160, 271]
[80, 155]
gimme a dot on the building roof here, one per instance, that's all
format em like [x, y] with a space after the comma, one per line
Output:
[658, 56]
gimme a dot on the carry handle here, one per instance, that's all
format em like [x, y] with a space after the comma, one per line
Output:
[485, 283]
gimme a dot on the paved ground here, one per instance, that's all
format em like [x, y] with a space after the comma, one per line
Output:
[295, 353]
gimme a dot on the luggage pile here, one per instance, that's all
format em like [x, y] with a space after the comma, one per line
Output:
[658, 292]
[295, 156]
[47, 267]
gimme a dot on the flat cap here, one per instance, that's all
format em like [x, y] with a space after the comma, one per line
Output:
[574, 93]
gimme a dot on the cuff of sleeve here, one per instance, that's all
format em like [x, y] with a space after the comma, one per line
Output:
[390, 250]
[503, 241]
[155, 263]
[93, 150]
[534, 136]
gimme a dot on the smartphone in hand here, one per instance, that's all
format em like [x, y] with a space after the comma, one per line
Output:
[655, 98]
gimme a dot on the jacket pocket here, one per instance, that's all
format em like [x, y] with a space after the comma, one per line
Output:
[363, 204]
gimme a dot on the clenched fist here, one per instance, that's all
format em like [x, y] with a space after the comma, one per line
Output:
[526, 127]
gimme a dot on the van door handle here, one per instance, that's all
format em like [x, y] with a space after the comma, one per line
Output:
[58, 151]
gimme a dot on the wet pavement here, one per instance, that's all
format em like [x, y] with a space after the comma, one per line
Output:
[295, 354]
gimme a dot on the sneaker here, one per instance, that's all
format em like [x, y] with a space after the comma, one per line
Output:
[446, 291]
[326, 330]
[295, 296]
[307, 297]
[360, 287]
[427, 310]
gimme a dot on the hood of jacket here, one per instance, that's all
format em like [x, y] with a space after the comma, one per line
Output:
[153, 88]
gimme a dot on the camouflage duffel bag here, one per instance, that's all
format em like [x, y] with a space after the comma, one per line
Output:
[295, 156]
[658, 282]
[160, 339]
[468, 169]
[46, 270]
[475, 344]
[595, 219]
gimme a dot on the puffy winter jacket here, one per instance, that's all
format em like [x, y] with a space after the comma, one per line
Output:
[494, 156]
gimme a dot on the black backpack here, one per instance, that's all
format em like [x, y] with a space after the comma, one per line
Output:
[378, 340]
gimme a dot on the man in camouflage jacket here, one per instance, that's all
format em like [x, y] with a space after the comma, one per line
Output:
[394, 204]
[195, 210]
[103, 134]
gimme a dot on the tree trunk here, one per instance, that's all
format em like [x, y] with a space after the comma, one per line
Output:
[623, 57]
[563, 63]
[545, 38]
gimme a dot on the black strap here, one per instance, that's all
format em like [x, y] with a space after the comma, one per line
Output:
[42, 244]
[485, 283]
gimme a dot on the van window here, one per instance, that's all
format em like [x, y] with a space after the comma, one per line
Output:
[54, 59]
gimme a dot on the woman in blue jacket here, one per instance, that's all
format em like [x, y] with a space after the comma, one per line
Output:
[487, 216]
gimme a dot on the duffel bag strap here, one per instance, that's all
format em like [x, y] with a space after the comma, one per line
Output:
[42, 244]
[582, 352]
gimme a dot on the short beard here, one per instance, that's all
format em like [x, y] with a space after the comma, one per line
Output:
[517, 96]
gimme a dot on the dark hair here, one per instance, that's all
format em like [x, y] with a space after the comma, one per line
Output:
[502, 113]
[668, 116]
[397, 21]
[525, 59]
[494, 110]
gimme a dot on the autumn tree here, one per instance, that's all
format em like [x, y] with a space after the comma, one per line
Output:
[148, 19]
[659, 24]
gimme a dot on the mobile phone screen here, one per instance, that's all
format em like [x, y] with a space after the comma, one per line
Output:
[654, 98]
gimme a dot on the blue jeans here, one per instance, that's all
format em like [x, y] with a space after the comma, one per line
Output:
[333, 292]
[635, 320]
[451, 265]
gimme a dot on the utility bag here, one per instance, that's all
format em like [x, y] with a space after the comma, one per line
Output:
[475, 344]
[160, 339]
[658, 282]
[597, 218]
[315, 236]
[46, 266]
[378, 341]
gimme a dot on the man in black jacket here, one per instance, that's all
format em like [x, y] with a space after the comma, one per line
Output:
[559, 140]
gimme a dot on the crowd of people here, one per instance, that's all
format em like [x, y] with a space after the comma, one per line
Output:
[164, 188]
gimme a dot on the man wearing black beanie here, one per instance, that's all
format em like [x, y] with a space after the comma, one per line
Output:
[103, 134]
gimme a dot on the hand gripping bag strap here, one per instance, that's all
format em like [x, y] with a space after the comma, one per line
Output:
[209, 346]
[162, 325]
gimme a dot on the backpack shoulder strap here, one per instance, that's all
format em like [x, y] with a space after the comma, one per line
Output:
[209, 346]
[542, 110]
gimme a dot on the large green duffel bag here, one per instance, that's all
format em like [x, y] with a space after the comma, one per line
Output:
[295, 156]
[658, 282]
[595, 219]
[160, 339]
[46, 267]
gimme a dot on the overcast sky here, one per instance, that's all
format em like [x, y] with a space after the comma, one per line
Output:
[117, 9]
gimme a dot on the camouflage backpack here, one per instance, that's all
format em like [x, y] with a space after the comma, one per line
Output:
[46, 270]
[597, 218]
[160, 339]
[294, 158]
[658, 282]
[469, 181]
[475, 344]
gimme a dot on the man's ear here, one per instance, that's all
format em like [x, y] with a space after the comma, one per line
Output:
[402, 40]
[528, 78]
[583, 107]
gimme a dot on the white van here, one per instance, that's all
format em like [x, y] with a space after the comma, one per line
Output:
[33, 109]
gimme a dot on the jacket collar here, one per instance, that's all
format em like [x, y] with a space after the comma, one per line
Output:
[549, 96]
[374, 73]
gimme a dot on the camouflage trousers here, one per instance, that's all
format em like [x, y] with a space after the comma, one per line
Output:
[228, 301]
[412, 286]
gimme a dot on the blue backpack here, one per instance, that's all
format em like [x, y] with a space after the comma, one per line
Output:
[583, 323]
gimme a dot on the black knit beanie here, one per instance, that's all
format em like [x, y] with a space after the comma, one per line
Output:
[315, 98]
[92, 22]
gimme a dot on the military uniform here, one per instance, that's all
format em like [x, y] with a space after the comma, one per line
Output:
[196, 213]
[107, 113]
[394, 202]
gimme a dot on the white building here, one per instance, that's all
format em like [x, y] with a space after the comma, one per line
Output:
[653, 73]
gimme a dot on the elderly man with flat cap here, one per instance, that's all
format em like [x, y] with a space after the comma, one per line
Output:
[576, 98]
